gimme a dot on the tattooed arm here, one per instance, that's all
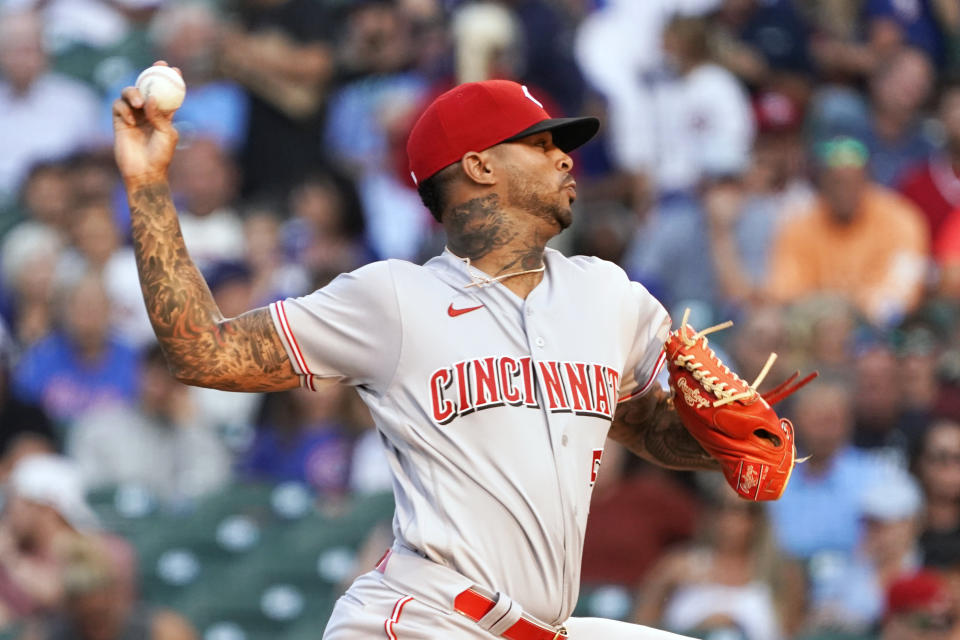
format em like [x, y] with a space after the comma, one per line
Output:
[649, 427]
[202, 347]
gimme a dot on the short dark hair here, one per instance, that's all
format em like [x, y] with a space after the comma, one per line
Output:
[434, 191]
[948, 83]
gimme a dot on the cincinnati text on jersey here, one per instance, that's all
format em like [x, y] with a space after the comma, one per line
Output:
[483, 383]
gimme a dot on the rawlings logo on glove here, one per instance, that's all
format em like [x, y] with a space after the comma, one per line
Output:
[728, 417]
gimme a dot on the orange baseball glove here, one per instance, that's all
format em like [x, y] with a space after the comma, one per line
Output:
[728, 417]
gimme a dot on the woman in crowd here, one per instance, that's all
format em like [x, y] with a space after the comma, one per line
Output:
[733, 579]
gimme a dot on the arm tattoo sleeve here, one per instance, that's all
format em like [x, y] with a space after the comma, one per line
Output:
[202, 347]
[649, 427]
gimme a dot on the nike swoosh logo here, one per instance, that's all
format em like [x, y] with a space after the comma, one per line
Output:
[453, 313]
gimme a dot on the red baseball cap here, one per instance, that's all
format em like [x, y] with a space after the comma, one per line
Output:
[478, 115]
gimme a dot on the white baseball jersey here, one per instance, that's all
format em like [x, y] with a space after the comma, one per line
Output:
[493, 409]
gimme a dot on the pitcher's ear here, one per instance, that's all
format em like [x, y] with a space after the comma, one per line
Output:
[479, 167]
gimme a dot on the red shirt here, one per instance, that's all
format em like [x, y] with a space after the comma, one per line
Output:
[935, 188]
[632, 524]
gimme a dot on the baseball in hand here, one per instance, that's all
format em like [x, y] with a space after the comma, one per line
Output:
[164, 85]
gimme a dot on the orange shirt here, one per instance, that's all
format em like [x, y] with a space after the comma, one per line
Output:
[878, 261]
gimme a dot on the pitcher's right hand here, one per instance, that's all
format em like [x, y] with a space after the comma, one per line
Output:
[144, 137]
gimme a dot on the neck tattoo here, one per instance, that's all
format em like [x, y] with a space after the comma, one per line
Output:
[481, 279]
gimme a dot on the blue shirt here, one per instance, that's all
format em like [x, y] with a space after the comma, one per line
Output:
[318, 457]
[51, 375]
[891, 159]
[217, 110]
[915, 18]
[822, 513]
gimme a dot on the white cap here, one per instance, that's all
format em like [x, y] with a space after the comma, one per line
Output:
[54, 481]
[896, 496]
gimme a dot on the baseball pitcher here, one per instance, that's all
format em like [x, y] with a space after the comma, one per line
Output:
[494, 372]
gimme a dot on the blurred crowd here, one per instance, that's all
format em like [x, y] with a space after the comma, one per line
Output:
[791, 164]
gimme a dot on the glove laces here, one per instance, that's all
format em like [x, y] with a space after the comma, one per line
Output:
[711, 382]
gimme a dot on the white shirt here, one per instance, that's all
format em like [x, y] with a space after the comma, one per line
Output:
[215, 237]
[57, 116]
[174, 462]
[704, 126]
[493, 410]
[618, 49]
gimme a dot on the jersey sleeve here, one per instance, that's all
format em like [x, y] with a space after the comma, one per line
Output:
[348, 331]
[647, 355]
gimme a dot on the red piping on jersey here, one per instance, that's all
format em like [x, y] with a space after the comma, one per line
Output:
[395, 617]
[292, 341]
[646, 385]
[475, 605]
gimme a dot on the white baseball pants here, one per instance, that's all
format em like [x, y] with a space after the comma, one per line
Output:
[371, 609]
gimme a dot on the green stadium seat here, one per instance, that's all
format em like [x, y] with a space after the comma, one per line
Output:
[604, 601]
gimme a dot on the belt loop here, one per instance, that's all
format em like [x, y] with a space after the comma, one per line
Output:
[504, 614]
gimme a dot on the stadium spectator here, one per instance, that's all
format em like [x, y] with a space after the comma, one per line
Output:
[934, 184]
[380, 37]
[818, 516]
[82, 364]
[302, 438]
[891, 24]
[744, 216]
[35, 126]
[705, 132]
[899, 88]
[705, 123]
[205, 180]
[763, 41]
[762, 331]
[46, 510]
[859, 240]
[280, 51]
[28, 263]
[948, 16]
[918, 353]
[878, 403]
[45, 198]
[368, 115]
[94, 177]
[94, 609]
[848, 592]
[622, 543]
[851, 39]
[733, 581]
[823, 333]
[163, 443]
[919, 607]
[619, 49]
[26, 427]
[273, 276]
[937, 465]
[185, 35]
[324, 230]
[97, 24]
[97, 248]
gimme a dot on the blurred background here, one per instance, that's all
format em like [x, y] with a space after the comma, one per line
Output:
[791, 164]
